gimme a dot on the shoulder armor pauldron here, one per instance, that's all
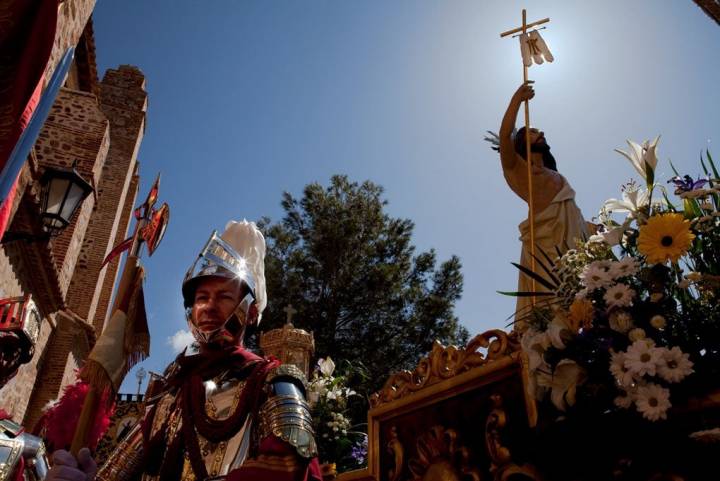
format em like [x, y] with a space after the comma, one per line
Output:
[287, 372]
[15, 443]
[286, 414]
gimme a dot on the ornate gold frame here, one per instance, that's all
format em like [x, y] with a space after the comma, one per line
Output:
[446, 373]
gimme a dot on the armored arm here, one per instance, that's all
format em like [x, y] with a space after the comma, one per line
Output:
[286, 414]
[16, 444]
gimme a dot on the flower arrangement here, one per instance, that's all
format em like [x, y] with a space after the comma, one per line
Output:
[339, 444]
[631, 318]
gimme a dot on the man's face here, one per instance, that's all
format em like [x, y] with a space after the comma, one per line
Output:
[537, 137]
[215, 300]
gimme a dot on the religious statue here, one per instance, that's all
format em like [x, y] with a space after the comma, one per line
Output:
[558, 222]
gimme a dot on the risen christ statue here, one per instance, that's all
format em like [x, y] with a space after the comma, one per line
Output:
[558, 220]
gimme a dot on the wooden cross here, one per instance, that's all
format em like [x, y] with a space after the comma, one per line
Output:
[531, 214]
[290, 313]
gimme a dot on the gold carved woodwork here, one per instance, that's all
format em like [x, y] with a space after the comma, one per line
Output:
[444, 363]
[290, 345]
[441, 457]
[395, 448]
[501, 466]
[447, 379]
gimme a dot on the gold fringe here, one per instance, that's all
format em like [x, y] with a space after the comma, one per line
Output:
[137, 335]
[95, 374]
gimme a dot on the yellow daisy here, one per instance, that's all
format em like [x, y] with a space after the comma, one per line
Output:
[664, 237]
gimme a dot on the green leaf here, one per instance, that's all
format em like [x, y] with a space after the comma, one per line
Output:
[547, 257]
[712, 164]
[547, 271]
[670, 205]
[692, 209]
[704, 167]
[534, 275]
[674, 169]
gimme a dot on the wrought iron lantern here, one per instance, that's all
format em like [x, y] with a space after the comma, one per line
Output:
[63, 191]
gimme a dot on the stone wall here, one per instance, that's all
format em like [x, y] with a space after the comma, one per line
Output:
[66, 348]
[76, 131]
[100, 125]
[73, 16]
[123, 100]
[102, 313]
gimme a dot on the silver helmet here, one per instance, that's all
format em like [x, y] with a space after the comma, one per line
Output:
[239, 254]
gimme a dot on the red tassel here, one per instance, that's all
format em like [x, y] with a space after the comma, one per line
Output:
[58, 423]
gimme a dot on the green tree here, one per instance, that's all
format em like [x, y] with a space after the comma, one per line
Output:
[351, 272]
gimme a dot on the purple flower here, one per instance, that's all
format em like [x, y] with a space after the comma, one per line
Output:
[686, 184]
[359, 451]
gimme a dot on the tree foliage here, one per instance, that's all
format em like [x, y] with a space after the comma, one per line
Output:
[353, 275]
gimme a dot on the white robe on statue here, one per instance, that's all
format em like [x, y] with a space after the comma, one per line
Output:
[560, 224]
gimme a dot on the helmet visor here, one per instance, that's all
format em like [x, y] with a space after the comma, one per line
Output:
[219, 259]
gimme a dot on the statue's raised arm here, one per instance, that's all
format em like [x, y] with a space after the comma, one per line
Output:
[558, 220]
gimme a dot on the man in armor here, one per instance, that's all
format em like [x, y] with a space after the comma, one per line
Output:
[222, 413]
[22, 455]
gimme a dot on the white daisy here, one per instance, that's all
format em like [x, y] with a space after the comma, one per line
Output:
[656, 297]
[627, 266]
[595, 276]
[643, 358]
[603, 264]
[637, 334]
[658, 322]
[621, 321]
[582, 293]
[619, 295]
[675, 365]
[653, 401]
[622, 374]
[625, 399]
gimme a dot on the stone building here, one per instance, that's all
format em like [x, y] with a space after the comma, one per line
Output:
[98, 124]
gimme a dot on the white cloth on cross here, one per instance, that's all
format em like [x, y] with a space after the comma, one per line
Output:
[534, 48]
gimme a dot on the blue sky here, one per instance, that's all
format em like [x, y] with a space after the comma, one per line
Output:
[250, 99]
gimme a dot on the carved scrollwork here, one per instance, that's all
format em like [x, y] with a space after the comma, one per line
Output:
[496, 420]
[501, 466]
[440, 456]
[395, 448]
[446, 362]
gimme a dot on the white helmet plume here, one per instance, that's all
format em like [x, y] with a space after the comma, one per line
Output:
[248, 241]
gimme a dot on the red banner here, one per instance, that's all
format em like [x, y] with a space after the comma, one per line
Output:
[26, 40]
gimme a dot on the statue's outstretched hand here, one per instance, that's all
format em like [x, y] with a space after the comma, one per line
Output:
[67, 468]
[524, 92]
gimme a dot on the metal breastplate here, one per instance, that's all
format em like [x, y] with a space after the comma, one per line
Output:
[222, 457]
[16, 444]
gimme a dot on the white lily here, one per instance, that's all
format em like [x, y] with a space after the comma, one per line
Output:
[561, 330]
[633, 201]
[564, 382]
[327, 366]
[642, 157]
[613, 236]
[535, 344]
